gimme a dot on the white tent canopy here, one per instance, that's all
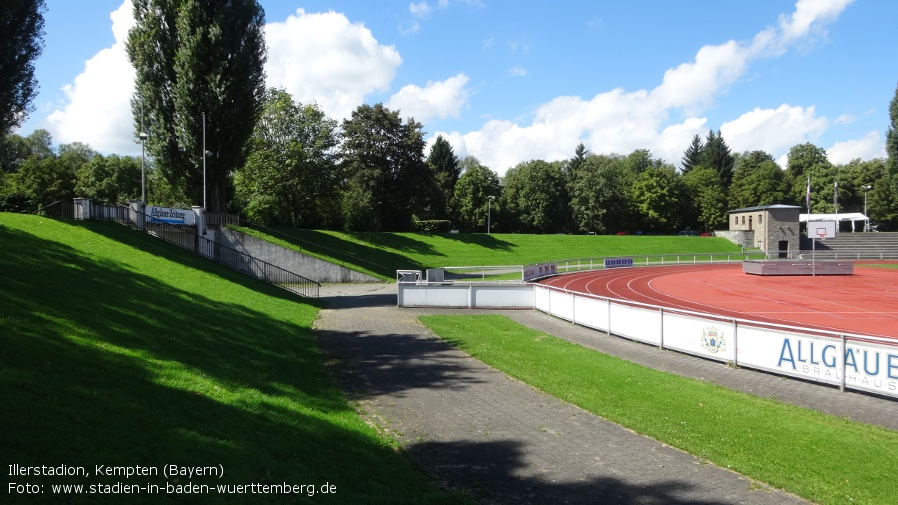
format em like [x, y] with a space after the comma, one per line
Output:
[848, 216]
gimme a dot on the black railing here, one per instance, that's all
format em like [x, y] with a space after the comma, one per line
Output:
[187, 238]
[60, 209]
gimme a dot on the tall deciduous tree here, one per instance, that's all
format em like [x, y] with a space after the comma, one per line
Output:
[658, 196]
[385, 169]
[110, 178]
[475, 186]
[196, 57]
[598, 192]
[291, 177]
[21, 42]
[892, 136]
[535, 198]
[758, 180]
[807, 161]
[707, 200]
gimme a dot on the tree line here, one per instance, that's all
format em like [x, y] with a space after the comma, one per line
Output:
[213, 131]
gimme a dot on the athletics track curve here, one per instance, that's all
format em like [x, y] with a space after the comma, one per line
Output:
[864, 303]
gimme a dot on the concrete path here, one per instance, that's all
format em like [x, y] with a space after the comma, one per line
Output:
[477, 429]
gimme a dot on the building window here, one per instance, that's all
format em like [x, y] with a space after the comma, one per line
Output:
[760, 218]
[743, 220]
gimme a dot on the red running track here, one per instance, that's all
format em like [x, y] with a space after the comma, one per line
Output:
[865, 303]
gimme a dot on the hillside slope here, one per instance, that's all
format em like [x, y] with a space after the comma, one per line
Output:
[120, 350]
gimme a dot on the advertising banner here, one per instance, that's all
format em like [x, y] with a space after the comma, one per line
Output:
[171, 216]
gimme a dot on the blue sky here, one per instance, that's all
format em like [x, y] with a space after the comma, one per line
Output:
[511, 81]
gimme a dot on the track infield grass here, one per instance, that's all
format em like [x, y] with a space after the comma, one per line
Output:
[820, 457]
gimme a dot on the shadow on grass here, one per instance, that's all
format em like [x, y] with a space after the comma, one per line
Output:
[371, 254]
[483, 240]
[102, 365]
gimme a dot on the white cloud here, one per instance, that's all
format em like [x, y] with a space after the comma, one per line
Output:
[324, 58]
[809, 16]
[845, 119]
[424, 9]
[867, 147]
[619, 122]
[773, 130]
[437, 99]
[517, 71]
[98, 111]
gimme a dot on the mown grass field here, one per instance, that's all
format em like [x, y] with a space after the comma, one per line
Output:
[820, 457]
[121, 350]
[381, 254]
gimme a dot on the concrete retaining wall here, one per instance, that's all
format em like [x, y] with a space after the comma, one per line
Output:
[288, 259]
[744, 238]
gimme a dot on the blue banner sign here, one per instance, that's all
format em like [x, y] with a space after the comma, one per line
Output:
[171, 216]
[618, 262]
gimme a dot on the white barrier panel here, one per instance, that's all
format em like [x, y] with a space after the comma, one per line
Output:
[702, 337]
[455, 295]
[541, 298]
[863, 365]
[501, 296]
[562, 304]
[591, 313]
[413, 295]
[636, 323]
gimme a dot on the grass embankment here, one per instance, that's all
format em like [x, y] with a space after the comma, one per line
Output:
[820, 457]
[381, 254]
[121, 350]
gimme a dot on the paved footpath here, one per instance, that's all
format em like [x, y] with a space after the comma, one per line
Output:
[477, 429]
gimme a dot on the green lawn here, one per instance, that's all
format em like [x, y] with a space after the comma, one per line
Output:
[820, 457]
[381, 254]
[119, 349]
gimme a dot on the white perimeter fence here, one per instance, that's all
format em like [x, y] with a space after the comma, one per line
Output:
[850, 361]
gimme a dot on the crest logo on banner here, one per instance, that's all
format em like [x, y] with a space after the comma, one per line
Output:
[713, 340]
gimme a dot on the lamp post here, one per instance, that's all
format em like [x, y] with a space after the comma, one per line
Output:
[489, 212]
[143, 177]
[866, 217]
[204, 162]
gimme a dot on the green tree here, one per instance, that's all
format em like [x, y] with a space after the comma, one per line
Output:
[445, 172]
[14, 150]
[194, 58]
[385, 169]
[892, 135]
[807, 161]
[598, 193]
[758, 180]
[110, 178]
[292, 175]
[707, 200]
[693, 154]
[716, 154]
[573, 164]
[472, 192]
[534, 198]
[656, 194]
[22, 26]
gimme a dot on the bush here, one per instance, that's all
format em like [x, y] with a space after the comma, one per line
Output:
[432, 226]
